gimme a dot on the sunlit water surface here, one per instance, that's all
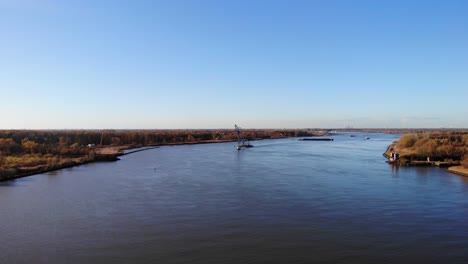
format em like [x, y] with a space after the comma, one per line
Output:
[283, 201]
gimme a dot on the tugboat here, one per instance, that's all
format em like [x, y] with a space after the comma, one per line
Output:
[240, 140]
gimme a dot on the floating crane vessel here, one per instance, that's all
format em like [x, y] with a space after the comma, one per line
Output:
[240, 140]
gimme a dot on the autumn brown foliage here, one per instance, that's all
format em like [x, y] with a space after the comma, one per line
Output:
[464, 162]
[441, 146]
[407, 140]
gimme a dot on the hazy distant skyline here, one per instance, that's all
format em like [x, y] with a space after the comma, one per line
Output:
[213, 64]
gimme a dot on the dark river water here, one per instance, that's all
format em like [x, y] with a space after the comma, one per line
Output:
[283, 201]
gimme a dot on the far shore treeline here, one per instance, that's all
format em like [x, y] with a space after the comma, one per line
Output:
[68, 141]
[25, 152]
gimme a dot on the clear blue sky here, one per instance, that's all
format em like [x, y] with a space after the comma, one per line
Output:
[213, 64]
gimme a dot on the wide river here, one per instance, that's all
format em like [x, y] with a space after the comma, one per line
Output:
[283, 201]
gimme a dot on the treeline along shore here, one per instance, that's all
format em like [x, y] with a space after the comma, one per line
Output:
[432, 148]
[28, 152]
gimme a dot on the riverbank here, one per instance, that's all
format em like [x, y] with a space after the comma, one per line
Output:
[101, 154]
[31, 164]
[446, 149]
[460, 170]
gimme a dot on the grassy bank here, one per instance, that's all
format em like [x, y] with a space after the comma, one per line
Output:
[437, 148]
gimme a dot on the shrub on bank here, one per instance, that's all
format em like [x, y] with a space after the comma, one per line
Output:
[438, 146]
[464, 162]
[7, 173]
[407, 141]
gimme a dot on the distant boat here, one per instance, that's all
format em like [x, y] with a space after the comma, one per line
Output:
[315, 139]
[243, 146]
[367, 137]
[352, 135]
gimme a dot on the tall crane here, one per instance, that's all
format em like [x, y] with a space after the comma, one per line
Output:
[240, 140]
